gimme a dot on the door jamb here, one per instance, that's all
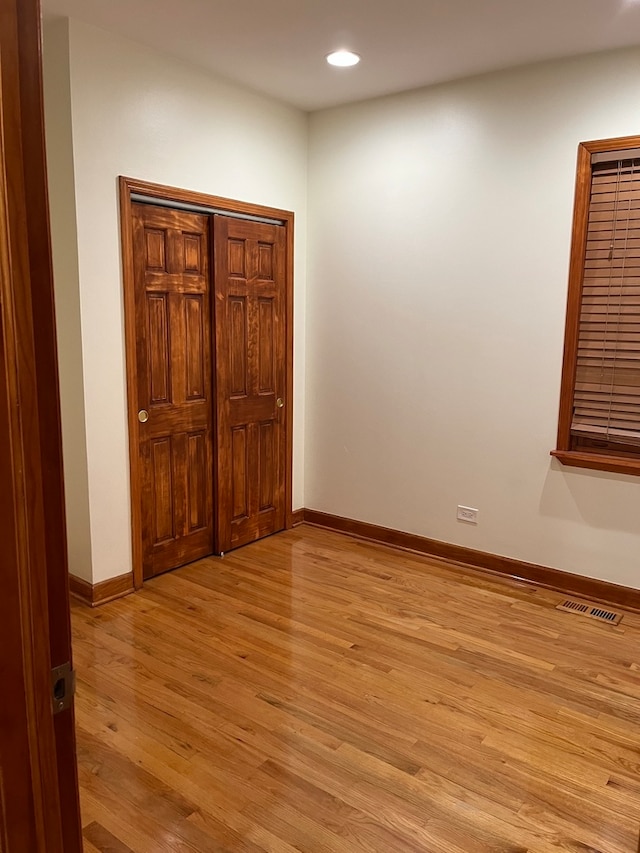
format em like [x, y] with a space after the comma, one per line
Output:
[39, 808]
[128, 186]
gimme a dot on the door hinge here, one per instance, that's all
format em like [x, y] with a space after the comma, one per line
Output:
[63, 687]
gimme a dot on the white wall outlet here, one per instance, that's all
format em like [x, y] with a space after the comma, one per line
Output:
[468, 514]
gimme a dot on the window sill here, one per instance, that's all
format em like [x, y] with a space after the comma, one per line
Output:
[614, 464]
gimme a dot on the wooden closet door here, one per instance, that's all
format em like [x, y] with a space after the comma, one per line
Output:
[251, 379]
[174, 383]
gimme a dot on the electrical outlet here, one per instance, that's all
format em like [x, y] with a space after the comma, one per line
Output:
[468, 514]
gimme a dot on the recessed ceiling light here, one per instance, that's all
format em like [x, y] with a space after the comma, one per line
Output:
[343, 58]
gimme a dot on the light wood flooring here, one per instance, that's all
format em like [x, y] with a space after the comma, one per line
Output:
[313, 692]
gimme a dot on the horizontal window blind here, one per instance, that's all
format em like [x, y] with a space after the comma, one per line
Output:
[606, 404]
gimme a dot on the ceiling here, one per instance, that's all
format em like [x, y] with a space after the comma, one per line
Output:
[278, 46]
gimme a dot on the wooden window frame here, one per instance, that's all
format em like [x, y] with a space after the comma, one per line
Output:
[600, 460]
[161, 192]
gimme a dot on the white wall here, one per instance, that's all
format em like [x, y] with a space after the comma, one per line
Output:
[143, 114]
[64, 236]
[439, 235]
[439, 232]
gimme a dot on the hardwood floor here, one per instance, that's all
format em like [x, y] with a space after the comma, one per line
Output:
[313, 692]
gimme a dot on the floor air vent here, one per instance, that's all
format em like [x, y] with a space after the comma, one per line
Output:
[591, 611]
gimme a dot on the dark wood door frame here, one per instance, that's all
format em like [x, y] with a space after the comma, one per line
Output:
[129, 186]
[39, 808]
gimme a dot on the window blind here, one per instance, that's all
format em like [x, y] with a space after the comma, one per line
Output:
[606, 404]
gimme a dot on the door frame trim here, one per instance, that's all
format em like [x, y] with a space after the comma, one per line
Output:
[127, 187]
[39, 805]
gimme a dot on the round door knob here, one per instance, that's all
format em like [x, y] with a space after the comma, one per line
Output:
[143, 416]
[279, 402]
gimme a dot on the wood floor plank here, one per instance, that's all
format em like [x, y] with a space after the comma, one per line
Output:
[312, 692]
[101, 839]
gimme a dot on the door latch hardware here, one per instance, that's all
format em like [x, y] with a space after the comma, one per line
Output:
[63, 687]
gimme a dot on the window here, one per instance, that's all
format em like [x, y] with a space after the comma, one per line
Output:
[599, 425]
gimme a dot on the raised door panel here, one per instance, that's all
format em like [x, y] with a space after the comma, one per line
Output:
[155, 249]
[196, 321]
[162, 489]
[238, 346]
[266, 262]
[192, 254]
[239, 471]
[265, 347]
[198, 481]
[268, 469]
[237, 257]
[158, 348]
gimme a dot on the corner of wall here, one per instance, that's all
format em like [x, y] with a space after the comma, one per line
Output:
[300, 314]
[64, 237]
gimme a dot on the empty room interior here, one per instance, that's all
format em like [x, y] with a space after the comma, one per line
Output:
[349, 363]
